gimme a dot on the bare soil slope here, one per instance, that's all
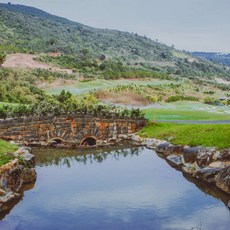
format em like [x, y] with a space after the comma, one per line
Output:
[20, 60]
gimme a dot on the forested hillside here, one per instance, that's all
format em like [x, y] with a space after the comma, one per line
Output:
[29, 30]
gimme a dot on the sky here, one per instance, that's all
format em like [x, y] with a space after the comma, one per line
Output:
[191, 25]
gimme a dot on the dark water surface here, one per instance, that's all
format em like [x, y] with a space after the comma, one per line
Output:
[126, 188]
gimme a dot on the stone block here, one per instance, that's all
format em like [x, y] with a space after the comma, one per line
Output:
[190, 154]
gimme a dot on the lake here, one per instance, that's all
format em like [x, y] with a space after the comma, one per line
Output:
[123, 187]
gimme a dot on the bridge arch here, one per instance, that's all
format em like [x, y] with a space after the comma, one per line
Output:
[55, 140]
[89, 141]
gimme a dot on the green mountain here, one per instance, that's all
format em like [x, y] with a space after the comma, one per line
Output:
[30, 30]
[34, 30]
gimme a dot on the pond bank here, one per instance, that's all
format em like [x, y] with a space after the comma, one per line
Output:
[15, 175]
[204, 163]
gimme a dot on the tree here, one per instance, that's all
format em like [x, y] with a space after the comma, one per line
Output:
[2, 58]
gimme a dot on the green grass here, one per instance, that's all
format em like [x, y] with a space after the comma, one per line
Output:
[82, 87]
[209, 135]
[177, 114]
[5, 148]
[188, 110]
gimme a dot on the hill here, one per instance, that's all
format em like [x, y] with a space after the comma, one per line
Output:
[30, 30]
[212, 56]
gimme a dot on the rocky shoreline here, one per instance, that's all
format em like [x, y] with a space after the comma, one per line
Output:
[203, 163]
[15, 175]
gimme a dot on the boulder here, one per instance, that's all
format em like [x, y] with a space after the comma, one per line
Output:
[137, 139]
[151, 142]
[175, 150]
[28, 159]
[163, 148]
[8, 197]
[224, 155]
[223, 180]
[123, 137]
[11, 181]
[2, 192]
[29, 175]
[205, 156]
[175, 161]
[219, 164]
[190, 168]
[22, 150]
[190, 154]
[207, 174]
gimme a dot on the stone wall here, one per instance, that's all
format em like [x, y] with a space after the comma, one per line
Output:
[67, 129]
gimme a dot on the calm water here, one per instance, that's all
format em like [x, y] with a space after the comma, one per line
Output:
[129, 188]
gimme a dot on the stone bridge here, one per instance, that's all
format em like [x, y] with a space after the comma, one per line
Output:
[69, 130]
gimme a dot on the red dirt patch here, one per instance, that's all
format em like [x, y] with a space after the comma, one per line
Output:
[26, 61]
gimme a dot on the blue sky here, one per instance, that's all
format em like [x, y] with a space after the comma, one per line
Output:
[193, 25]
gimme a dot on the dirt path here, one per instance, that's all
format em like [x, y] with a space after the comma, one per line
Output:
[26, 61]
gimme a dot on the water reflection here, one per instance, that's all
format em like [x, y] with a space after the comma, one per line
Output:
[122, 188]
[210, 189]
[6, 208]
[61, 157]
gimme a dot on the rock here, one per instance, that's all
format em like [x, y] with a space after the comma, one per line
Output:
[190, 168]
[174, 150]
[207, 174]
[13, 142]
[7, 167]
[112, 140]
[99, 142]
[22, 150]
[216, 164]
[224, 155]
[226, 163]
[175, 161]
[8, 197]
[123, 137]
[190, 154]
[137, 138]
[29, 159]
[223, 180]
[2, 192]
[12, 180]
[29, 175]
[205, 156]
[216, 155]
[151, 142]
[163, 148]
[43, 143]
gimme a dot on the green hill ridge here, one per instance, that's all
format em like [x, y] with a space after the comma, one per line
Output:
[30, 30]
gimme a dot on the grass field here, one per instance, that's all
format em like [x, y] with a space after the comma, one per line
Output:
[82, 87]
[209, 135]
[187, 111]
